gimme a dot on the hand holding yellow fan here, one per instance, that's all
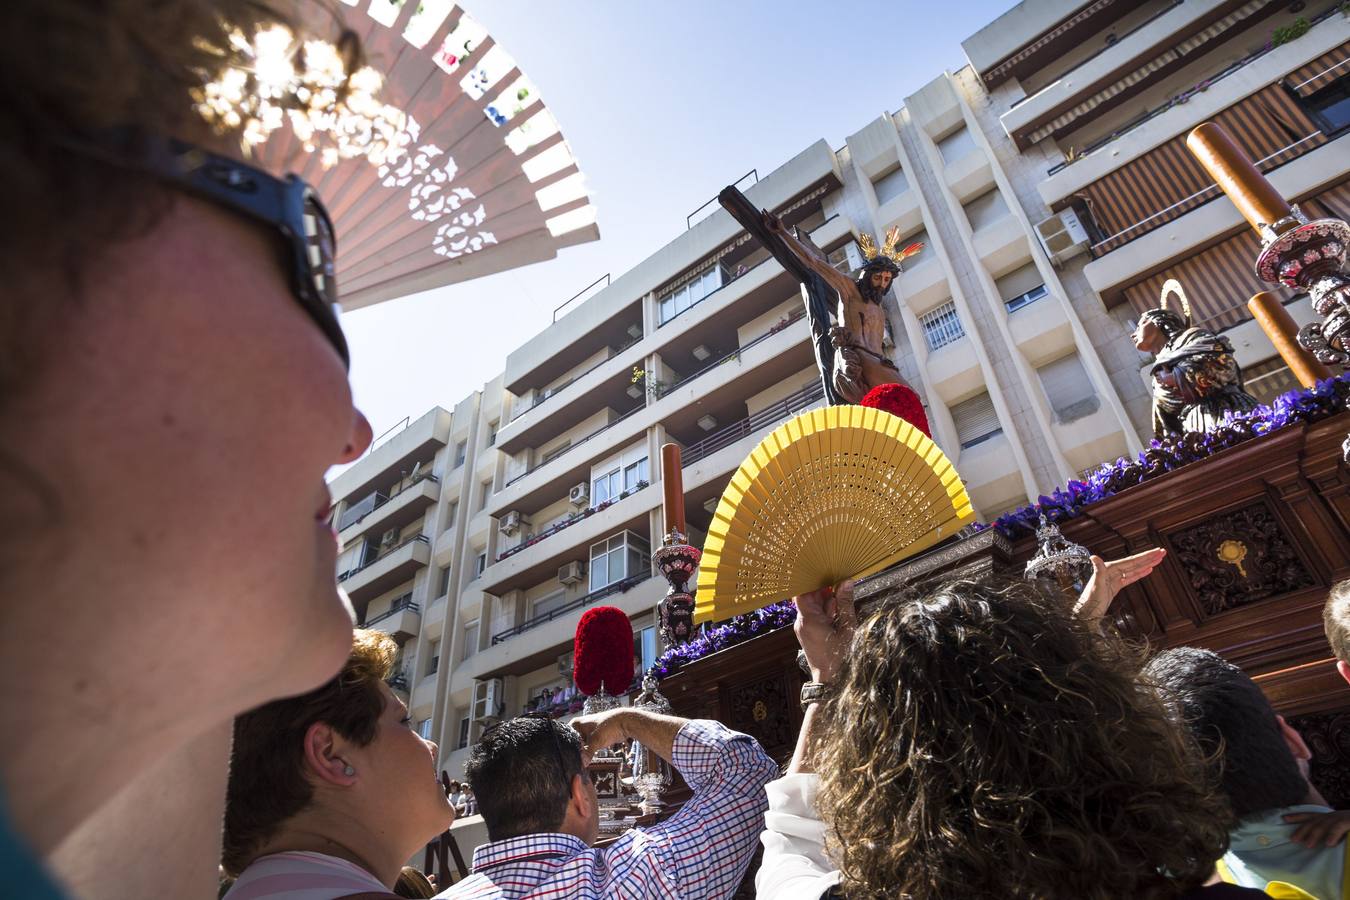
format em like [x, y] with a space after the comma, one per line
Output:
[835, 493]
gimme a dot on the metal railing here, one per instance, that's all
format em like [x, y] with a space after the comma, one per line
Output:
[790, 405]
[381, 499]
[569, 522]
[942, 326]
[598, 431]
[399, 605]
[689, 219]
[383, 553]
[553, 392]
[618, 587]
[1182, 97]
[605, 278]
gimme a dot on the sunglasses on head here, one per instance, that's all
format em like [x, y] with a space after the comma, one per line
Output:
[287, 204]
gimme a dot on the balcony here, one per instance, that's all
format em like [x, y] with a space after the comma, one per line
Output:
[397, 511]
[1002, 244]
[387, 571]
[990, 473]
[1041, 330]
[954, 370]
[1091, 440]
[619, 587]
[923, 284]
[579, 516]
[762, 421]
[970, 175]
[399, 453]
[400, 621]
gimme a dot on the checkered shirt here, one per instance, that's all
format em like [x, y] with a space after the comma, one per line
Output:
[700, 853]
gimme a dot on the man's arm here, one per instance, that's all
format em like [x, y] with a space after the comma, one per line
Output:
[804, 254]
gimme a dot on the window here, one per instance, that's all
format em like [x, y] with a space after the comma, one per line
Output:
[635, 474]
[480, 564]
[443, 584]
[890, 184]
[956, 145]
[1028, 298]
[545, 605]
[606, 487]
[1068, 388]
[644, 648]
[942, 326]
[435, 662]
[690, 293]
[1329, 107]
[1269, 379]
[424, 729]
[463, 740]
[846, 259]
[483, 496]
[1021, 286]
[492, 433]
[985, 209]
[550, 455]
[461, 449]
[470, 640]
[617, 558]
[975, 420]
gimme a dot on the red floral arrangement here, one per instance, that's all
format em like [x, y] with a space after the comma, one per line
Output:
[603, 651]
[899, 400]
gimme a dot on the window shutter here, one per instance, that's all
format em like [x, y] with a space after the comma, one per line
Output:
[975, 420]
[1068, 388]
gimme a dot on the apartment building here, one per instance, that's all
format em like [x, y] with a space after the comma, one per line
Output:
[1048, 183]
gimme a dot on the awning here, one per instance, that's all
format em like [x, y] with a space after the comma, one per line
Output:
[1320, 72]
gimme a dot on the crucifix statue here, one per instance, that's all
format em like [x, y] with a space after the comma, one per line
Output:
[849, 352]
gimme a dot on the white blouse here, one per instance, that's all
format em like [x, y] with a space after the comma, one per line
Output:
[795, 866]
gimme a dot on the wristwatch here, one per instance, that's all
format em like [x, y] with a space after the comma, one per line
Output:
[813, 692]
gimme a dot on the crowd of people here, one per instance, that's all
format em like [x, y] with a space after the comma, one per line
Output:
[964, 739]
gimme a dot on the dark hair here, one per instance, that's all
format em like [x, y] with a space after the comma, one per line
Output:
[1336, 619]
[1170, 321]
[267, 775]
[521, 772]
[1234, 724]
[987, 742]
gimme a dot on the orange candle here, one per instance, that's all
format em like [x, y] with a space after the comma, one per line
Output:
[1280, 327]
[672, 484]
[1254, 196]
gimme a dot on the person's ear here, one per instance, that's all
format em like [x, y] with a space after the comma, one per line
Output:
[582, 799]
[1344, 668]
[1297, 748]
[324, 757]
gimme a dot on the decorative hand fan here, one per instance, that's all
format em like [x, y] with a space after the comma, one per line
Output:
[836, 493]
[441, 163]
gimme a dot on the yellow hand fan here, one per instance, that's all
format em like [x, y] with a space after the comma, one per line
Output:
[835, 493]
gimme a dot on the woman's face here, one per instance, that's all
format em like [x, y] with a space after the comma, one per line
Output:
[398, 778]
[186, 414]
[1148, 337]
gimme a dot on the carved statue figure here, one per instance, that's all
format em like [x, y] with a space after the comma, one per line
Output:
[860, 362]
[1196, 378]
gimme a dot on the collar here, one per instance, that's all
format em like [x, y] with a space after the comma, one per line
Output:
[528, 848]
[1268, 829]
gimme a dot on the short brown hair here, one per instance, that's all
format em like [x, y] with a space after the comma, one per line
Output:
[1336, 619]
[267, 777]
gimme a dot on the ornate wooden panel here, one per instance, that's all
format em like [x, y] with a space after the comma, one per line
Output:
[1328, 737]
[1239, 557]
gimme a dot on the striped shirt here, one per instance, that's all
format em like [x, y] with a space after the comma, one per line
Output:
[302, 875]
[700, 853]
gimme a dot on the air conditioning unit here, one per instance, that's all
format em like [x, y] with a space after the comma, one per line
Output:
[389, 538]
[511, 522]
[580, 494]
[487, 700]
[565, 665]
[1062, 236]
[572, 573]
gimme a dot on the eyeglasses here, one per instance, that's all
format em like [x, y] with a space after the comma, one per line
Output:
[289, 205]
[541, 716]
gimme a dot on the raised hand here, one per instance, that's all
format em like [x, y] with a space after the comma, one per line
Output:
[825, 622]
[1109, 578]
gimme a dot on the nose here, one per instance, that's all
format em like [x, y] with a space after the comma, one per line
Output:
[358, 439]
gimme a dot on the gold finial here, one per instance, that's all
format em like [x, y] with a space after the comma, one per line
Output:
[1172, 286]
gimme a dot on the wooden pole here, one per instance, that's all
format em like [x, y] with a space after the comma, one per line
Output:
[1254, 196]
[672, 485]
[1282, 330]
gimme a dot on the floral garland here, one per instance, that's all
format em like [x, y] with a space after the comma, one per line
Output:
[1304, 405]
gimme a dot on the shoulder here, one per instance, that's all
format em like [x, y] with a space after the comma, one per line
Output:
[303, 876]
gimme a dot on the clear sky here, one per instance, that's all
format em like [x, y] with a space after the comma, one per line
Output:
[663, 103]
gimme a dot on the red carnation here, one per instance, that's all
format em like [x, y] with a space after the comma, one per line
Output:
[603, 651]
[899, 400]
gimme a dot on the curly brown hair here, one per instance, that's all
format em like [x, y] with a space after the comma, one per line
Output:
[986, 742]
[267, 771]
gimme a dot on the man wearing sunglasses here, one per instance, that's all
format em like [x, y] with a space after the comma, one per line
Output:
[173, 387]
[542, 814]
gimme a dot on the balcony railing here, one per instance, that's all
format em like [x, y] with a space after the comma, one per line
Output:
[788, 406]
[1182, 97]
[569, 521]
[415, 538]
[398, 606]
[359, 511]
[540, 399]
[618, 587]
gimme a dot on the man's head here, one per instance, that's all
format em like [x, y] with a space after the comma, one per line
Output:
[1336, 619]
[528, 778]
[1262, 763]
[875, 278]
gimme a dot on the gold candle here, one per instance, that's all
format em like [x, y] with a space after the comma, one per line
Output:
[1254, 196]
[1280, 327]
